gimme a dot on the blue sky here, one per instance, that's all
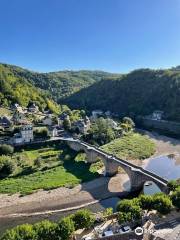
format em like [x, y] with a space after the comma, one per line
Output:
[110, 35]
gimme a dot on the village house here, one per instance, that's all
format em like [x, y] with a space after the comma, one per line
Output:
[157, 115]
[33, 108]
[112, 123]
[53, 131]
[83, 125]
[48, 121]
[24, 136]
[19, 118]
[17, 107]
[108, 113]
[61, 119]
[97, 113]
[5, 122]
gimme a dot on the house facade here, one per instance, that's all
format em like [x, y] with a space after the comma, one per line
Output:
[47, 121]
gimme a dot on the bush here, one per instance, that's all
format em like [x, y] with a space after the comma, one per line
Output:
[22, 232]
[7, 167]
[65, 228]
[129, 210]
[83, 219]
[124, 217]
[175, 197]
[46, 230]
[162, 203]
[146, 202]
[173, 185]
[125, 205]
[6, 149]
[107, 212]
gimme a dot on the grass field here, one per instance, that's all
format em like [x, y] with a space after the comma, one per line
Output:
[5, 111]
[132, 146]
[59, 167]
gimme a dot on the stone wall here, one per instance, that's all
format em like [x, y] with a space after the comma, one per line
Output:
[162, 126]
[126, 236]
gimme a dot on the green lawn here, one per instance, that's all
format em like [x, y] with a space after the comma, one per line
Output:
[59, 168]
[132, 146]
[5, 111]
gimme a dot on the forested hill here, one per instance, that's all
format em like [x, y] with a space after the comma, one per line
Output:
[58, 84]
[139, 92]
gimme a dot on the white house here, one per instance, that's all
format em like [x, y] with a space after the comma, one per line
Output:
[33, 108]
[27, 133]
[48, 120]
[96, 113]
[24, 136]
[157, 115]
[53, 131]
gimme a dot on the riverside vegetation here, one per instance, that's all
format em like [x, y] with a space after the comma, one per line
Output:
[51, 165]
[128, 210]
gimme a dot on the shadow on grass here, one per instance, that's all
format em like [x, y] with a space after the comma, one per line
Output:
[80, 169]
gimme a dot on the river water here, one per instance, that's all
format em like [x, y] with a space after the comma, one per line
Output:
[165, 166]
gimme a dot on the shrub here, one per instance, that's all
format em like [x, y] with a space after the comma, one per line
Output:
[7, 166]
[124, 217]
[65, 228]
[107, 212]
[175, 197]
[146, 202]
[162, 203]
[124, 205]
[45, 230]
[6, 149]
[22, 232]
[83, 219]
[38, 162]
[173, 184]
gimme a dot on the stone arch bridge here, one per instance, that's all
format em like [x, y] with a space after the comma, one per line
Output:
[137, 175]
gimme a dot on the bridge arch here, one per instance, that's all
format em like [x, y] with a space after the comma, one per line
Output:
[137, 175]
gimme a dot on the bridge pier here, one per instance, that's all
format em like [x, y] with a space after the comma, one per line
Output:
[137, 175]
[111, 167]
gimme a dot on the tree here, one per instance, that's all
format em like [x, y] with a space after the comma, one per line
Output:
[83, 219]
[41, 133]
[162, 203]
[46, 230]
[124, 217]
[173, 184]
[146, 202]
[130, 207]
[107, 212]
[67, 124]
[127, 124]
[22, 232]
[7, 166]
[175, 197]
[65, 228]
[6, 149]
[124, 205]
[100, 132]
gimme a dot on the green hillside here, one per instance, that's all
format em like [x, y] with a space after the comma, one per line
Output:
[59, 84]
[139, 92]
[17, 89]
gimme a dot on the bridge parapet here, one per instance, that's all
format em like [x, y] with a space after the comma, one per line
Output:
[138, 176]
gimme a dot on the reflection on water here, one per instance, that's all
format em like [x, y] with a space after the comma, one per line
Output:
[164, 166]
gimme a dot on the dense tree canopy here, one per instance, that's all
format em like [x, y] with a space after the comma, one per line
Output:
[139, 92]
